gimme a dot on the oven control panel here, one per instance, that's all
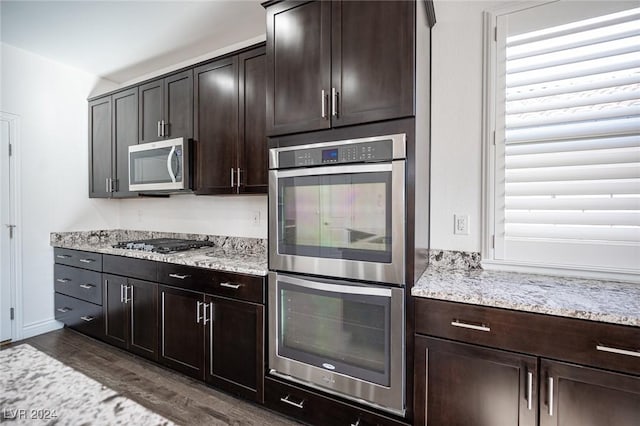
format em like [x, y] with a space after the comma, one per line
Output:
[371, 151]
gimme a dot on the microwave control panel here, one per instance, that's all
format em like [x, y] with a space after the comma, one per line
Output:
[375, 151]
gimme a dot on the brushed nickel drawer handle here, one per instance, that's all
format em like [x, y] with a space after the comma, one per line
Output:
[482, 327]
[63, 280]
[64, 310]
[286, 400]
[618, 351]
[87, 260]
[178, 276]
[229, 285]
[87, 286]
[87, 318]
[63, 256]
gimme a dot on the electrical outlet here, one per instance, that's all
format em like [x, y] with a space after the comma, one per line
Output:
[256, 218]
[461, 224]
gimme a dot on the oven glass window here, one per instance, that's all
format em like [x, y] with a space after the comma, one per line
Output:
[342, 216]
[151, 166]
[341, 332]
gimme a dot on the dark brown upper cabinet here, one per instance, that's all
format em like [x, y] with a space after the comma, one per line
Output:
[113, 127]
[166, 108]
[231, 147]
[339, 63]
[100, 147]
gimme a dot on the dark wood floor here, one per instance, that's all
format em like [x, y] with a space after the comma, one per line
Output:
[178, 398]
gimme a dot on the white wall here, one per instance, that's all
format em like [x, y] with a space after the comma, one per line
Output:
[50, 99]
[456, 144]
[213, 215]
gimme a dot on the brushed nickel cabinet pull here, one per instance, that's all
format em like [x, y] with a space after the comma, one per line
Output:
[229, 285]
[63, 256]
[87, 260]
[550, 381]
[286, 400]
[121, 293]
[198, 316]
[238, 173]
[178, 276]
[323, 104]
[127, 299]
[334, 102]
[63, 280]
[529, 390]
[461, 324]
[63, 310]
[87, 318]
[618, 351]
[87, 286]
[159, 129]
[232, 185]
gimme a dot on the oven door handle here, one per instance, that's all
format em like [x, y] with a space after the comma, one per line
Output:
[335, 288]
[336, 170]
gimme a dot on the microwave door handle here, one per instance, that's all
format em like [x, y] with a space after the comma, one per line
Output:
[169, 166]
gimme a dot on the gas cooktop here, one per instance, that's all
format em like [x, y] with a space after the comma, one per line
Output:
[162, 245]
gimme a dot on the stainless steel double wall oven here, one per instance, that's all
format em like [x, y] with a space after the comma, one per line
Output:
[337, 261]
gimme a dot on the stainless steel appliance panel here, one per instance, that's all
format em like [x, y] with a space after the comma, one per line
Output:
[346, 221]
[344, 338]
[160, 166]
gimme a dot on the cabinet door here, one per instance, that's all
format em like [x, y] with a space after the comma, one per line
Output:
[235, 347]
[460, 384]
[125, 134]
[373, 60]
[178, 105]
[216, 120]
[181, 331]
[99, 147]
[115, 310]
[582, 396]
[252, 147]
[298, 66]
[150, 111]
[142, 301]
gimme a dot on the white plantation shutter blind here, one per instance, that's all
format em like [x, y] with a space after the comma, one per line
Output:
[568, 172]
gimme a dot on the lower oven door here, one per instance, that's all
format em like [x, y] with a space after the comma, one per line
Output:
[345, 338]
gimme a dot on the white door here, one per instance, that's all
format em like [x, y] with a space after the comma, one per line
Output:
[6, 232]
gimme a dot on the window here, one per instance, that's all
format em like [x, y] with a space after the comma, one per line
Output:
[563, 139]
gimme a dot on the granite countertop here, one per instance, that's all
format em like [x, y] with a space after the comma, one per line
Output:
[229, 254]
[595, 300]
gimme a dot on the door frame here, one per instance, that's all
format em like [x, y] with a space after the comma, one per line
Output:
[15, 244]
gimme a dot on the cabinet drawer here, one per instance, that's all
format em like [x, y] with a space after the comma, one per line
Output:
[80, 315]
[79, 259]
[317, 409]
[603, 345]
[237, 286]
[130, 267]
[79, 283]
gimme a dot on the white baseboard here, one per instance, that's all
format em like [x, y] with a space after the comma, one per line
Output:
[40, 327]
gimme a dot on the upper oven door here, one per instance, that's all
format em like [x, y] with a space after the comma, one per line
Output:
[159, 166]
[344, 221]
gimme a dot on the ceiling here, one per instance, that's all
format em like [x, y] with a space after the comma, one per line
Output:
[122, 40]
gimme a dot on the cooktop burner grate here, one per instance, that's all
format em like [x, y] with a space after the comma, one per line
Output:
[163, 245]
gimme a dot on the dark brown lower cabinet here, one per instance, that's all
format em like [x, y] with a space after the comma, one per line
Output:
[235, 346]
[130, 312]
[582, 396]
[462, 384]
[181, 321]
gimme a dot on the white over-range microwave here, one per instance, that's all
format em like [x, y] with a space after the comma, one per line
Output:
[162, 166]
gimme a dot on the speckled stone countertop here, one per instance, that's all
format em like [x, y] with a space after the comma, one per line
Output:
[230, 254]
[595, 300]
